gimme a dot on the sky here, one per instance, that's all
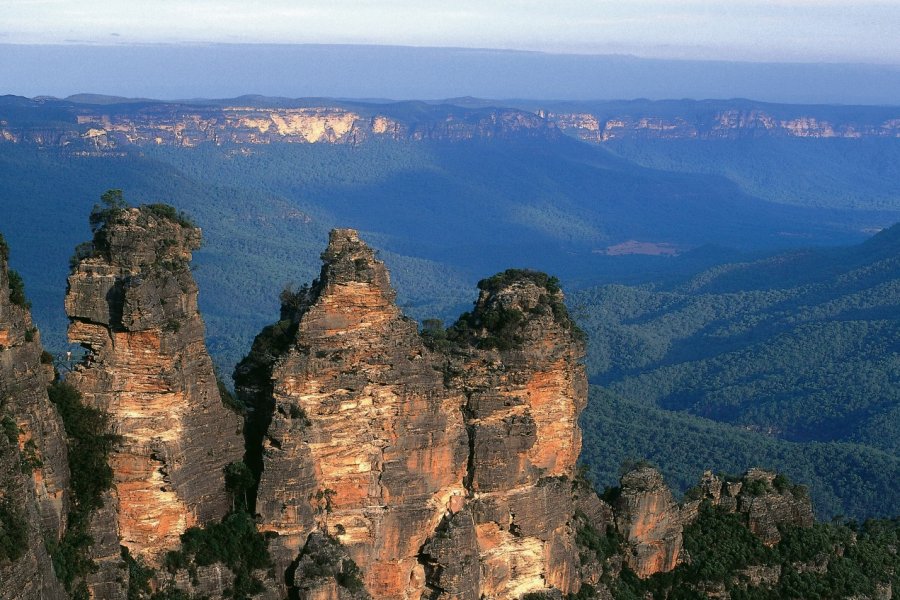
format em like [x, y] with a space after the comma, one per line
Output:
[744, 30]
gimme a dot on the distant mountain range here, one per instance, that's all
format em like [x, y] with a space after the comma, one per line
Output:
[98, 123]
[356, 71]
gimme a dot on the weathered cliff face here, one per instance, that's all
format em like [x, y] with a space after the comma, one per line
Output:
[132, 304]
[651, 522]
[442, 477]
[709, 123]
[96, 129]
[524, 385]
[365, 442]
[34, 473]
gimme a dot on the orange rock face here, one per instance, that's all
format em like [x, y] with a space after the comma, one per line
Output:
[650, 521]
[365, 441]
[444, 474]
[133, 306]
[525, 387]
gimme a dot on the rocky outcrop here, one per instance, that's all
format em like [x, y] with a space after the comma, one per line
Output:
[365, 443]
[132, 304]
[443, 473]
[767, 500]
[34, 473]
[518, 365]
[651, 522]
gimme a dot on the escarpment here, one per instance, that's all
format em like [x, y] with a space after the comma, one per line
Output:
[132, 305]
[34, 473]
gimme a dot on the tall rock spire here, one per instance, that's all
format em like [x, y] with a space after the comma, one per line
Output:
[132, 304]
[518, 364]
[443, 471]
[365, 443]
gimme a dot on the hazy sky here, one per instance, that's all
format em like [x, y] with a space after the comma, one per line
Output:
[770, 30]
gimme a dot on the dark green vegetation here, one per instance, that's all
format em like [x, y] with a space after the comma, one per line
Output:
[323, 556]
[828, 560]
[497, 326]
[17, 290]
[830, 173]
[800, 350]
[843, 478]
[91, 475]
[13, 531]
[234, 542]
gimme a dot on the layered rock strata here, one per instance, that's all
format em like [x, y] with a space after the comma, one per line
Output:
[34, 472]
[443, 473]
[365, 442]
[132, 304]
[519, 369]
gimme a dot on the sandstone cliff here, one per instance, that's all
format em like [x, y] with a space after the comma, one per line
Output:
[517, 361]
[96, 129]
[443, 473]
[710, 122]
[132, 304]
[365, 442]
[34, 473]
[111, 129]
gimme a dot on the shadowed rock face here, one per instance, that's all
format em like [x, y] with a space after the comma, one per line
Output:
[444, 475]
[34, 472]
[132, 303]
[766, 503]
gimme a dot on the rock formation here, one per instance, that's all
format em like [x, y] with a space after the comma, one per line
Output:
[443, 474]
[391, 464]
[518, 365]
[651, 522]
[132, 304]
[34, 472]
[365, 443]
[765, 498]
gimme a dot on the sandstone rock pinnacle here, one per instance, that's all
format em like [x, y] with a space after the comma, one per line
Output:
[132, 304]
[365, 442]
[444, 474]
